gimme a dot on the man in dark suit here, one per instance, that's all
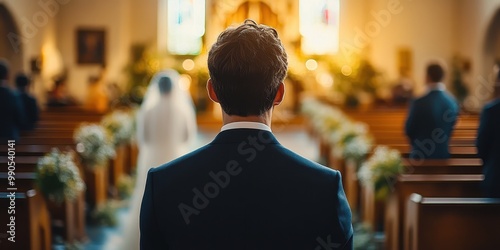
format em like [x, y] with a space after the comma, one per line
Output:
[30, 105]
[431, 118]
[11, 109]
[245, 190]
[488, 145]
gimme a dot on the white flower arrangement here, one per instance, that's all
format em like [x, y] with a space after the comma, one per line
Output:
[325, 119]
[353, 135]
[358, 147]
[120, 125]
[380, 170]
[58, 177]
[350, 140]
[94, 145]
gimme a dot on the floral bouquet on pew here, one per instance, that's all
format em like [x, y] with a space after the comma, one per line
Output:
[380, 170]
[324, 118]
[351, 141]
[57, 176]
[94, 145]
[120, 125]
[357, 148]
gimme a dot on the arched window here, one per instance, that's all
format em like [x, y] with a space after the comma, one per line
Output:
[186, 26]
[319, 26]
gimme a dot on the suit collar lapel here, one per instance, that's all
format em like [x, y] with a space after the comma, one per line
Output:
[245, 135]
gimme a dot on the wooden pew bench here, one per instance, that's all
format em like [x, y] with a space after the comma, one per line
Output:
[430, 166]
[446, 166]
[426, 185]
[69, 216]
[451, 223]
[32, 221]
[98, 181]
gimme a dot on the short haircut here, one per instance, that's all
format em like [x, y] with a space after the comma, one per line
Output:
[22, 81]
[435, 72]
[247, 63]
[4, 69]
[165, 85]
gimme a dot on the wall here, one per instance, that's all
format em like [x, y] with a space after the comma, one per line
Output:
[424, 27]
[474, 23]
[429, 28]
[111, 15]
[36, 25]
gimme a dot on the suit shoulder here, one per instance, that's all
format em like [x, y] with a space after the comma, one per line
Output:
[493, 106]
[300, 160]
[180, 161]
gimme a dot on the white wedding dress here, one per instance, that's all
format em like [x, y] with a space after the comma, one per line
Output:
[166, 129]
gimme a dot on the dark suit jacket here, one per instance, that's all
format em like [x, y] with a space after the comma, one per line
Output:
[244, 191]
[11, 114]
[30, 109]
[488, 147]
[430, 124]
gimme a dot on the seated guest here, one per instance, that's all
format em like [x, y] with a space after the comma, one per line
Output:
[58, 96]
[97, 98]
[431, 118]
[403, 91]
[31, 110]
[11, 108]
[488, 145]
[245, 190]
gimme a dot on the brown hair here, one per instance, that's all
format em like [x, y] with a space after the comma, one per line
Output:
[247, 63]
[435, 72]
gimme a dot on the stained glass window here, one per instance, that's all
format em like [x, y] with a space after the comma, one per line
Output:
[319, 26]
[186, 26]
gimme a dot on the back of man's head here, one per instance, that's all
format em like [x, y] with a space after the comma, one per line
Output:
[165, 85]
[435, 73]
[247, 63]
[22, 81]
[4, 70]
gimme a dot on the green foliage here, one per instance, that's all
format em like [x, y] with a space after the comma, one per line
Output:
[458, 87]
[57, 177]
[105, 215]
[353, 79]
[125, 186]
[363, 237]
[140, 70]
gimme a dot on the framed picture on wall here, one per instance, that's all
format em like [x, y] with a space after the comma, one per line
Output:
[91, 46]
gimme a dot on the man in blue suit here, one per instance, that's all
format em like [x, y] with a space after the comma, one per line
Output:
[488, 145]
[244, 190]
[29, 103]
[431, 118]
[11, 109]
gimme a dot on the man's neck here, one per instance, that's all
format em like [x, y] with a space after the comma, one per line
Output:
[264, 118]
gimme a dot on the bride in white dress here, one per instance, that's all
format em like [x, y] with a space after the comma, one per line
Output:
[166, 129]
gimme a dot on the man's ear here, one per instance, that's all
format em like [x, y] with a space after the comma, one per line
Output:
[280, 94]
[211, 92]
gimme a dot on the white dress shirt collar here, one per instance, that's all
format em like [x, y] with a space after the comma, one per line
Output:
[250, 125]
[436, 86]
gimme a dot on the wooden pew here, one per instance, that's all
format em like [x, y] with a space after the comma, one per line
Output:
[68, 215]
[427, 185]
[97, 181]
[445, 166]
[451, 223]
[32, 221]
[455, 152]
